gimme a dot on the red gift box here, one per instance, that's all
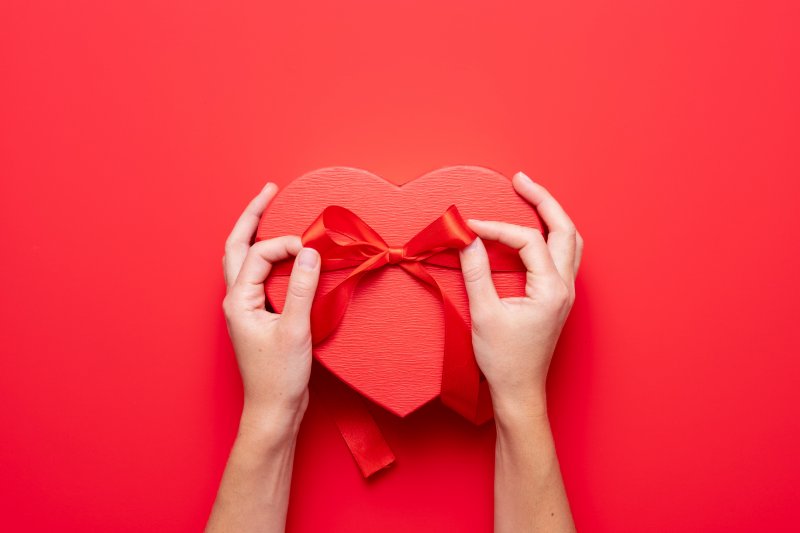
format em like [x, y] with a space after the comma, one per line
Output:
[391, 316]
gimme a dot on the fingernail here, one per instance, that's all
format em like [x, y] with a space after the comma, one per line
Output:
[307, 258]
[269, 186]
[525, 177]
[473, 246]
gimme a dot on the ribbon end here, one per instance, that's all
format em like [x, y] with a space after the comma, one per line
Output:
[358, 428]
[372, 467]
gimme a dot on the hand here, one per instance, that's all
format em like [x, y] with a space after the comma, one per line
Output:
[274, 355]
[514, 338]
[273, 350]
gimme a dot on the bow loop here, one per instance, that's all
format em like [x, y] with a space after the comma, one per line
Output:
[342, 239]
[449, 231]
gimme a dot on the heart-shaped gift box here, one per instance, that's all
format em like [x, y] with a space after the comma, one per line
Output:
[390, 343]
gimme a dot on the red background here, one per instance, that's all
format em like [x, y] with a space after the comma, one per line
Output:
[134, 133]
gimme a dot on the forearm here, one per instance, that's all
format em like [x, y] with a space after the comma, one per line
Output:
[529, 491]
[254, 491]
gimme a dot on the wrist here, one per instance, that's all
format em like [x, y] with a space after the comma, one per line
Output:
[269, 427]
[519, 430]
[521, 409]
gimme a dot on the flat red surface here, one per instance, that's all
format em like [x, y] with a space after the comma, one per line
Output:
[132, 135]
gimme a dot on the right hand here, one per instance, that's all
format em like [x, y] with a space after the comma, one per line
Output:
[514, 338]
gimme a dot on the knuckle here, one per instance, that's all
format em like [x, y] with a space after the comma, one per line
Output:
[228, 305]
[300, 287]
[474, 272]
[562, 293]
[263, 247]
[571, 236]
[557, 293]
[571, 295]
[531, 234]
[259, 247]
[234, 247]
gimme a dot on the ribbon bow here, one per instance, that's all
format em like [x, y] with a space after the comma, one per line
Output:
[345, 241]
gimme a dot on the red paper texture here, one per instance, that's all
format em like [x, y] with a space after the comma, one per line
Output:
[389, 345]
[133, 134]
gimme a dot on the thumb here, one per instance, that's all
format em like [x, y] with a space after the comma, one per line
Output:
[478, 274]
[302, 287]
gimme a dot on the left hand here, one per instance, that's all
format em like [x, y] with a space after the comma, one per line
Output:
[273, 350]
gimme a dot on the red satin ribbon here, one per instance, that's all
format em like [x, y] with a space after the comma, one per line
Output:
[345, 241]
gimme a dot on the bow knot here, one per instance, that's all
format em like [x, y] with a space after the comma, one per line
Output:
[396, 254]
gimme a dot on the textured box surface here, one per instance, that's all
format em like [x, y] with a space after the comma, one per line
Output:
[389, 344]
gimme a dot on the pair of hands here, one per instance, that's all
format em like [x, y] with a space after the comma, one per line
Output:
[513, 338]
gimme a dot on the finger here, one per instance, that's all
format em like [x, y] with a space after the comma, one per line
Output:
[528, 241]
[578, 251]
[249, 284]
[561, 238]
[478, 275]
[238, 242]
[302, 287]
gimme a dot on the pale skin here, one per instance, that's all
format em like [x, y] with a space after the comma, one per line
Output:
[513, 338]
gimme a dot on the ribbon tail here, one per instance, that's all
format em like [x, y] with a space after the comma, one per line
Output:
[358, 428]
[462, 389]
[327, 310]
[461, 377]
